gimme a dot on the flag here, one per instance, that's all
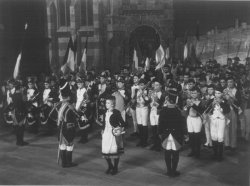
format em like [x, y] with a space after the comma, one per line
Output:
[69, 58]
[17, 66]
[185, 53]
[135, 60]
[159, 55]
[19, 57]
[167, 53]
[83, 65]
[147, 64]
[160, 64]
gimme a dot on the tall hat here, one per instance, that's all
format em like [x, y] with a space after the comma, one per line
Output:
[47, 79]
[30, 80]
[64, 88]
[11, 81]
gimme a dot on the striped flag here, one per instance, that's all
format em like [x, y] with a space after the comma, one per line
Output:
[19, 57]
[185, 53]
[147, 65]
[83, 65]
[167, 53]
[17, 66]
[69, 58]
[159, 55]
[135, 60]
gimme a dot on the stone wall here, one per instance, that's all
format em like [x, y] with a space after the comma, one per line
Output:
[114, 20]
[222, 44]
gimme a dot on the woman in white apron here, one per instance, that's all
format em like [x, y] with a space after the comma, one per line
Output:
[112, 142]
[171, 130]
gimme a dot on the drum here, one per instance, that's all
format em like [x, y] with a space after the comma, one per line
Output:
[30, 118]
[44, 114]
[83, 121]
[8, 114]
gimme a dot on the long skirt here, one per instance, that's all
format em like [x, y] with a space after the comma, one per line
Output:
[112, 146]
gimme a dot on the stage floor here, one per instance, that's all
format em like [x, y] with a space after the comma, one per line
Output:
[37, 164]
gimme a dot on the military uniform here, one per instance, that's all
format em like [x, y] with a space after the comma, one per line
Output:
[66, 121]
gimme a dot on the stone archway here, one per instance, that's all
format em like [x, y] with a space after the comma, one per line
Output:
[132, 24]
[145, 39]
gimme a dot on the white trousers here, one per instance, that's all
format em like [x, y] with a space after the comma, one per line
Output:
[194, 124]
[217, 127]
[154, 117]
[207, 130]
[142, 115]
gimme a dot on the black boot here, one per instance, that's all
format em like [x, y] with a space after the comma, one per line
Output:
[16, 129]
[19, 135]
[191, 143]
[175, 161]
[110, 166]
[144, 136]
[197, 144]
[220, 151]
[168, 162]
[69, 159]
[140, 136]
[115, 169]
[63, 158]
[215, 149]
[154, 134]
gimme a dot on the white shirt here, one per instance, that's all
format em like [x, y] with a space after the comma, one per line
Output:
[46, 95]
[9, 99]
[79, 97]
[101, 88]
[30, 93]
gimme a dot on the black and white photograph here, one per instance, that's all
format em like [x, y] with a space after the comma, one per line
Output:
[125, 92]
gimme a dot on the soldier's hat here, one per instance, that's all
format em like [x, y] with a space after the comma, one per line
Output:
[219, 89]
[64, 88]
[121, 79]
[159, 80]
[236, 59]
[210, 86]
[47, 79]
[11, 81]
[143, 81]
[30, 80]
[79, 79]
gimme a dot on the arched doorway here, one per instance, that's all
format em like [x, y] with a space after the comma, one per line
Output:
[145, 39]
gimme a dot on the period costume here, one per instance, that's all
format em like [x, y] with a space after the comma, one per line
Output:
[142, 111]
[194, 125]
[218, 121]
[112, 144]
[171, 130]
[67, 119]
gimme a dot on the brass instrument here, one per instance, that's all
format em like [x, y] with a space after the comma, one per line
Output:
[211, 106]
[153, 96]
[231, 99]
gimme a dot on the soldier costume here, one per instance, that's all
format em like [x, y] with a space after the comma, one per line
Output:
[18, 112]
[217, 109]
[157, 99]
[171, 130]
[67, 118]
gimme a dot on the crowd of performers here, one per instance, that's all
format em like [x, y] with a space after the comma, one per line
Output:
[175, 104]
